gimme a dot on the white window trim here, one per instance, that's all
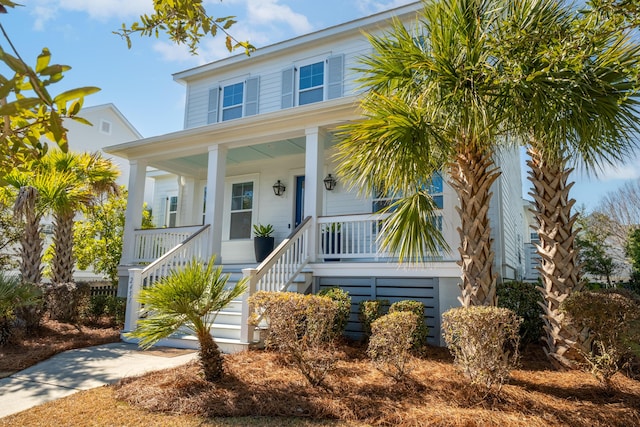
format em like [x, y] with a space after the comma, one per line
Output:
[296, 77]
[221, 107]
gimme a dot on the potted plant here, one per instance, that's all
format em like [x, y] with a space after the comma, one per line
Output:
[263, 241]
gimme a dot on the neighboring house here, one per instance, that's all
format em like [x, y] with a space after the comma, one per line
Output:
[109, 127]
[532, 258]
[258, 148]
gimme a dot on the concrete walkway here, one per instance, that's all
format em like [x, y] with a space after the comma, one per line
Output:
[82, 369]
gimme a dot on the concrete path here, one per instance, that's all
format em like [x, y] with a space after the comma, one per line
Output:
[82, 369]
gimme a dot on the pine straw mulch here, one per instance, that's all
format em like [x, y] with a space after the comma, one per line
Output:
[261, 383]
[51, 338]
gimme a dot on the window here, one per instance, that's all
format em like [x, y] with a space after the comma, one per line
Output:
[241, 210]
[232, 97]
[172, 211]
[105, 127]
[311, 84]
[233, 101]
[434, 188]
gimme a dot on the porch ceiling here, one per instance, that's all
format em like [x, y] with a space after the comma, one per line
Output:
[196, 165]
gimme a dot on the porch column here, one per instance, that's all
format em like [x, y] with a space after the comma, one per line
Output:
[186, 199]
[215, 197]
[135, 202]
[313, 169]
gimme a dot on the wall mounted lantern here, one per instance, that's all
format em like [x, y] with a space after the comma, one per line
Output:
[329, 182]
[278, 188]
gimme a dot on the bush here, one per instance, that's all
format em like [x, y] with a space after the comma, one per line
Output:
[484, 342]
[523, 299]
[422, 331]
[13, 294]
[343, 300]
[300, 326]
[391, 341]
[368, 312]
[106, 305]
[30, 316]
[613, 318]
[67, 302]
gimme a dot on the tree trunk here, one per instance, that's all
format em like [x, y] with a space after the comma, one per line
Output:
[471, 177]
[63, 262]
[558, 258]
[210, 357]
[31, 243]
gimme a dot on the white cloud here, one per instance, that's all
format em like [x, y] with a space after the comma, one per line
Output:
[102, 10]
[271, 12]
[172, 52]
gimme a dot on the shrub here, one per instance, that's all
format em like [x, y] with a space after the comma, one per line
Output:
[106, 305]
[391, 341]
[613, 318]
[523, 299]
[13, 294]
[67, 302]
[484, 342]
[343, 300]
[422, 331]
[301, 327]
[368, 312]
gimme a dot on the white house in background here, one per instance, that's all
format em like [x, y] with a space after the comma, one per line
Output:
[109, 127]
[257, 148]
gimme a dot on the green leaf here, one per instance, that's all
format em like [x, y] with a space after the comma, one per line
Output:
[16, 107]
[43, 60]
[54, 69]
[55, 124]
[75, 94]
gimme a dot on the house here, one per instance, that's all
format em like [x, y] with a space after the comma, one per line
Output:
[257, 148]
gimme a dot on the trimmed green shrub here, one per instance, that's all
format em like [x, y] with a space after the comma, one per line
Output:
[613, 318]
[422, 331]
[369, 311]
[67, 302]
[484, 342]
[106, 305]
[343, 300]
[524, 300]
[302, 327]
[391, 342]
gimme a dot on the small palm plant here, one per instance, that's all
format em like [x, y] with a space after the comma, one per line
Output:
[188, 297]
[13, 294]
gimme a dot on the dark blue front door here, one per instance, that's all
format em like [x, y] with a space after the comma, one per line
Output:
[299, 199]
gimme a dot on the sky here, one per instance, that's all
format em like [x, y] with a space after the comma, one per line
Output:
[138, 81]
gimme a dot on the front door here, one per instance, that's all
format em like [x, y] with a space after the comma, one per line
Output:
[299, 199]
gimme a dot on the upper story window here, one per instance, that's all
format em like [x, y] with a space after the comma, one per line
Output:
[233, 101]
[232, 98]
[313, 82]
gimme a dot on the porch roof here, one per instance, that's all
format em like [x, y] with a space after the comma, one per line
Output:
[288, 125]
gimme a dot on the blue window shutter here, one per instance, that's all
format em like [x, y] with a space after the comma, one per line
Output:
[335, 76]
[212, 110]
[288, 86]
[252, 91]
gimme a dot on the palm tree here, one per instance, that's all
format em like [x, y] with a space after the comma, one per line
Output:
[189, 297]
[66, 182]
[428, 109]
[31, 243]
[572, 100]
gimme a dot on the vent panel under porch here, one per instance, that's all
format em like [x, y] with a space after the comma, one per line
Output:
[424, 290]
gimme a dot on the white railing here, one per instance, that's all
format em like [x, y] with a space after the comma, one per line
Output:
[153, 243]
[195, 246]
[278, 270]
[351, 237]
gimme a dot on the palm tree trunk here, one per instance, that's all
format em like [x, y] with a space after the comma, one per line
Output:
[63, 262]
[210, 357]
[558, 257]
[471, 177]
[31, 243]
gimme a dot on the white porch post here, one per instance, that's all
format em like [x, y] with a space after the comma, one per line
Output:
[313, 166]
[186, 199]
[215, 197]
[133, 215]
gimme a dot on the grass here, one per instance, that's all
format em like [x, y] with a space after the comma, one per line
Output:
[260, 388]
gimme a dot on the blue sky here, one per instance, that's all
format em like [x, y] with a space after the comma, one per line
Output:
[138, 80]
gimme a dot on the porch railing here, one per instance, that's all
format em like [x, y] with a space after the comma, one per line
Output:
[352, 237]
[278, 271]
[151, 244]
[196, 245]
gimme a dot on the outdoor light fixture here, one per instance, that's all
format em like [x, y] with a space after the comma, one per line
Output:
[329, 182]
[278, 188]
